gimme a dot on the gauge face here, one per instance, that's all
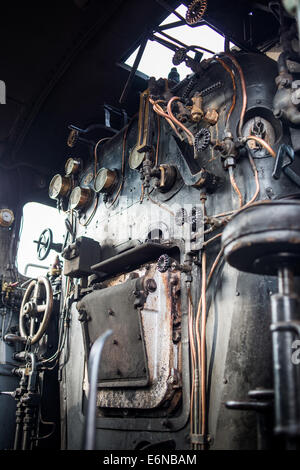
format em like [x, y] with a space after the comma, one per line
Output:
[136, 158]
[6, 217]
[104, 180]
[59, 186]
[72, 166]
[80, 198]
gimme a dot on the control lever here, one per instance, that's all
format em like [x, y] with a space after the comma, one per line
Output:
[284, 158]
[10, 394]
[10, 338]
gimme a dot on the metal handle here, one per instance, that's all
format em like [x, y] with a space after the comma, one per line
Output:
[93, 371]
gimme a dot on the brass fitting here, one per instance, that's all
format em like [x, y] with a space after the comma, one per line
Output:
[211, 117]
[197, 111]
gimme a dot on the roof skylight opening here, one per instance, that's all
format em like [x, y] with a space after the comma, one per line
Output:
[157, 59]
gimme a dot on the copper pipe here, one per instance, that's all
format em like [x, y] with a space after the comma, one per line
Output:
[212, 270]
[142, 194]
[244, 91]
[229, 70]
[263, 143]
[235, 186]
[162, 206]
[203, 343]
[189, 134]
[158, 140]
[158, 109]
[254, 169]
[193, 358]
[212, 239]
[95, 152]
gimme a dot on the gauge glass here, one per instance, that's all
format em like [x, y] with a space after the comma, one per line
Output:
[72, 166]
[55, 186]
[6, 217]
[136, 158]
[80, 198]
[59, 186]
[104, 180]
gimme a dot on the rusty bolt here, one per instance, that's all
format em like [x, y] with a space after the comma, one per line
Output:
[151, 285]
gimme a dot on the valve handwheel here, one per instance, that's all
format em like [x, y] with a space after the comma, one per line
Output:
[44, 244]
[36, 309]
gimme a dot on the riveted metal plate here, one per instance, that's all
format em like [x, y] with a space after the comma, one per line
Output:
[124, 362]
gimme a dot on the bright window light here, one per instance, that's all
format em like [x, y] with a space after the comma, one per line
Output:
[37, 217]
[157, 59]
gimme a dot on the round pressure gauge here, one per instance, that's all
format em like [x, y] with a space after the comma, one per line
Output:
[59, 186]
[6, 217]
[136, 158]
[72, 166]
[80, 198]
[105, 180]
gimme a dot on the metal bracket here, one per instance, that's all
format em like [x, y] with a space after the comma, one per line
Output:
[284, 158]
[201, 439]
[293, 326]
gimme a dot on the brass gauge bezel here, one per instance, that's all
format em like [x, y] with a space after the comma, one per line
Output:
[64, 188]
[83, 198]
[136, 158]
[107, 180]
[76, 163]
[3, 221]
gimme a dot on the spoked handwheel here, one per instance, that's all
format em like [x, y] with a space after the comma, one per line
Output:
[44, 244]
[36, 309]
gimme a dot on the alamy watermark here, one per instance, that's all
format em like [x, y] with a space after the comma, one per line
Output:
[296, 353]
[2, 92]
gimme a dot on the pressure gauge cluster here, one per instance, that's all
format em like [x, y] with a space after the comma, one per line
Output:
[61, 186]
[79, 189]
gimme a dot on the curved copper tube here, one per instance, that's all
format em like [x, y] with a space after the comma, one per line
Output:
[95, 152]
[158, 140]
[229, 70]
[235, 186]
[203, 343]
[189, 134]
[158, 109]
[263, 143]
[244, 91]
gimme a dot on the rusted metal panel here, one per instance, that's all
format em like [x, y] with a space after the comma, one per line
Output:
[124, 362]
[160, 315]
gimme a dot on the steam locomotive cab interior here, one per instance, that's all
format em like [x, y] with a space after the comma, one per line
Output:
[161, 307]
